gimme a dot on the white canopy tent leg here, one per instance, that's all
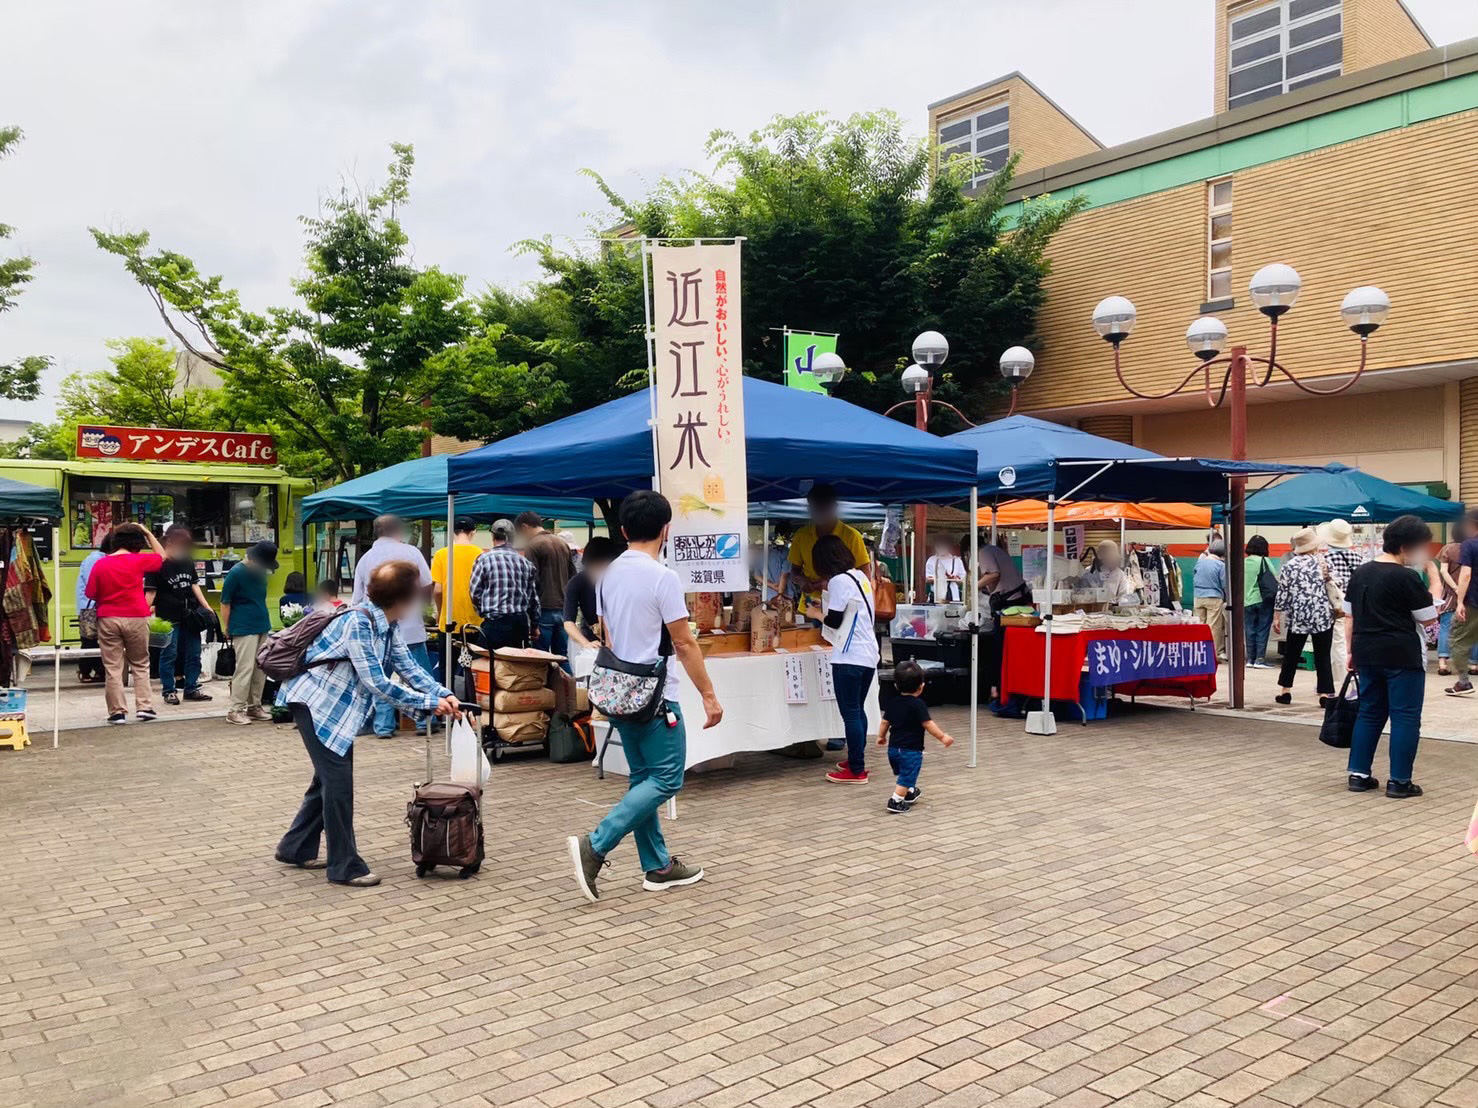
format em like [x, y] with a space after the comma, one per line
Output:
[994, 538]
[56, 638]
[1043, 722]
[447, 591]
[974, 579]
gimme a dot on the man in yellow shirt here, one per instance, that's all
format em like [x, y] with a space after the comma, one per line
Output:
[464, 612]
[822, 502]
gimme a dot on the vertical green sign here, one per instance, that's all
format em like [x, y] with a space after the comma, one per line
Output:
[801, 348]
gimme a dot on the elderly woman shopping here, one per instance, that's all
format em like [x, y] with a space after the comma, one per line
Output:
[1304, 602]
[349, 667]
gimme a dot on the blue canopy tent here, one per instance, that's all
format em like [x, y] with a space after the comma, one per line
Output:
[1342, 492]
[417, 489]
[794, 439]
[19, 500]
[795, 511]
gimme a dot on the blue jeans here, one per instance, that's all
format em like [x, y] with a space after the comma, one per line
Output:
[906, 765]
[385, 713]
[657, 757]
[1385, 693]
[552, 636]
[851, 684]
[1444, 634]
[1258, 621]
[180, 642]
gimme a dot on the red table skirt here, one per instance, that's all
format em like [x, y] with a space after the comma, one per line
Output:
[1021, 668]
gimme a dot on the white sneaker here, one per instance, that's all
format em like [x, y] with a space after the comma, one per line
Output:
[240, 718]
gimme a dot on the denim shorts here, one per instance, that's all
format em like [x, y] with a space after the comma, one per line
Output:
[906, 764]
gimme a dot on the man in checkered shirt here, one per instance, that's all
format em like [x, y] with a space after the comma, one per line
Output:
[505, 590]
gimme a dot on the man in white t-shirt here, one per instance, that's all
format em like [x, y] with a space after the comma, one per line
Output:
[390, 546]
[638, 598]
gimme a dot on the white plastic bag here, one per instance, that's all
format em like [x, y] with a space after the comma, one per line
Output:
[469, 764]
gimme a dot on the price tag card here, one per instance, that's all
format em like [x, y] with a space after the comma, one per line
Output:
[795, 680]
[823, 678]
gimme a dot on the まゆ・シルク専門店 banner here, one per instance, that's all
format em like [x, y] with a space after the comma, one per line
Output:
[163, 445]
[700, 413]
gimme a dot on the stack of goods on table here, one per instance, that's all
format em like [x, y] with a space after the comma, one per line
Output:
[748, 626]
[532, 702]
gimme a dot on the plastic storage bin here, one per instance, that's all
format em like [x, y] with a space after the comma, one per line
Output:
[917, 621]
[12, 701]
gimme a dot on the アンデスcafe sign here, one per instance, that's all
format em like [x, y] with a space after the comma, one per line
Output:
[151, 444]
[699, 430]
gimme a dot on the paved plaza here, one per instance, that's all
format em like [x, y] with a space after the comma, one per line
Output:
[1169, 908]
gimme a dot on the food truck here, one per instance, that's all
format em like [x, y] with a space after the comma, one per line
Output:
[224, 485]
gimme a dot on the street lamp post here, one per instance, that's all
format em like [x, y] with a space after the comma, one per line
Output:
[1274, 290]
[828, 369]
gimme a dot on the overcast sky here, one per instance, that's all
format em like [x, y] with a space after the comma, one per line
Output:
[214, 125]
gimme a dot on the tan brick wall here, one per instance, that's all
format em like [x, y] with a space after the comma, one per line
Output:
[1379, 31]
[1469, 487]
[1039, 132]
[1327, 214]
[1042, 134]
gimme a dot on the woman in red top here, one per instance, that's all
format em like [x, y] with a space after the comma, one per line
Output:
[116, 585]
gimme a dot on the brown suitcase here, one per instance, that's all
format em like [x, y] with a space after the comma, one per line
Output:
[445, 823]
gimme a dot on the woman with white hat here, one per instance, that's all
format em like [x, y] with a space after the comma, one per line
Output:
[1339, 554]
[1304, 601]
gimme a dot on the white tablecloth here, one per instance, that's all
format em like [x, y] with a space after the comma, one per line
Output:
[751, 689]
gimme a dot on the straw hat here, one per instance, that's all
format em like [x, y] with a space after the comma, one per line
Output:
[1305, 541]
[1337, 533]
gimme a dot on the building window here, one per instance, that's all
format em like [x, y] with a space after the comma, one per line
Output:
[984, 133]
[1281, 46]
[1219, 239]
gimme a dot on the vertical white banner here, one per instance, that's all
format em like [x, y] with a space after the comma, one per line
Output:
[700, 413]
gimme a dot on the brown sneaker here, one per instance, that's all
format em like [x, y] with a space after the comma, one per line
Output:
[239, 718]
[256, 711]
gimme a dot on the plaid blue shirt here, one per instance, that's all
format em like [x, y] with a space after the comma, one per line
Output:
[341, 696]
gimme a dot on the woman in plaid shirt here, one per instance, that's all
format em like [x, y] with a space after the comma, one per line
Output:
[350, 666]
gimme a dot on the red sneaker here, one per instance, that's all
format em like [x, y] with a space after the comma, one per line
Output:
[846, 776]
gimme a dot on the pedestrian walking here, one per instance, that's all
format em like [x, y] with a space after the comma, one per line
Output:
[247, 623]
[846, 618]
[1303, 601]
[581, 619]
[390, 546]
[116, 586]
[348, 677]
[1463, 639]
[1447, 567]
[179, 599]
[1210, 599]
[1385, 603]
[1261, 590]
[1338, 540]
[905, 722]
[90, 670]
[644, 619]
[505, 591]
[463, 612]
[554, 565]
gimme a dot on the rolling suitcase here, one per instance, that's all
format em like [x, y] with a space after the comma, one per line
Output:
[445, 821]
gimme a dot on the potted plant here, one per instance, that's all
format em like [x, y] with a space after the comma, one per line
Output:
[290, 613]
[159, 632]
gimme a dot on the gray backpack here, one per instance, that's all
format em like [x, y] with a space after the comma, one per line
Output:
[282, 655]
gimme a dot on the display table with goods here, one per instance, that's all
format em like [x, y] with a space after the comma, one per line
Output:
[935, 633]
[1094, 656]
[774, 683]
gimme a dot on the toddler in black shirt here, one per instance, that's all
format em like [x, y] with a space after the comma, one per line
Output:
[905, 722]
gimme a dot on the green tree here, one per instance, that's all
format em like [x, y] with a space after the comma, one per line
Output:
[844, 231]
[141, 390]
[343, 376]
[21, 379]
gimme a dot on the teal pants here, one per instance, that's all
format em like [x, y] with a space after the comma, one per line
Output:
[656, 755]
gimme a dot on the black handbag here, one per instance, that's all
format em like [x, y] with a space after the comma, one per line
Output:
[1338, 729]
[1267, 582]
[226, 662]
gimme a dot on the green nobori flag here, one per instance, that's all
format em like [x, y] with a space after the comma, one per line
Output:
[801, 348]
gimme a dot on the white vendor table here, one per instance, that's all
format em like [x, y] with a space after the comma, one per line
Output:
[757, 716]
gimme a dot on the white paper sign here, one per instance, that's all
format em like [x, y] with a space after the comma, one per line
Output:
[823, 677]
[795, 680]
[699, 389]
[1072, 542]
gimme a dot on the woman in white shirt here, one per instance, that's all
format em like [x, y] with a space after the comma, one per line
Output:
[847, 623]
[945, 571]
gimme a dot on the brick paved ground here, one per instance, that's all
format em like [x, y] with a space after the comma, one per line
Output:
[1166, 909]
